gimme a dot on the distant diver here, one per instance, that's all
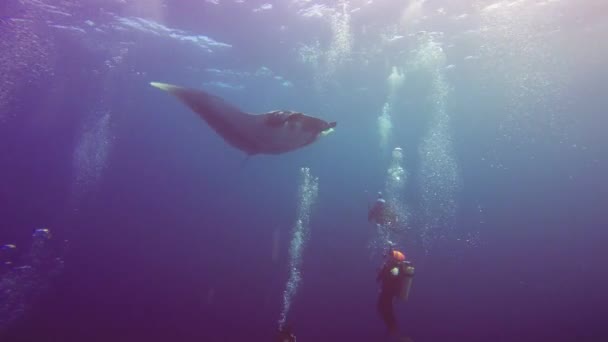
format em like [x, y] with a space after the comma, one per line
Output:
[382, 214]
[396, 280]
[286, 335]
[274, 132]
[7, 254]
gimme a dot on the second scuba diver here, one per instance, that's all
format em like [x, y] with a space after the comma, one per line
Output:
[382, 214]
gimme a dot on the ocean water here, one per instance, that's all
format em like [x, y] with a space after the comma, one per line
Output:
[124, 217]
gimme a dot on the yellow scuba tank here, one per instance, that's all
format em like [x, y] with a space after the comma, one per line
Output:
[408, 274]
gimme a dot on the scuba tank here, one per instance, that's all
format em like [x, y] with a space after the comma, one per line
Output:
[408, 275]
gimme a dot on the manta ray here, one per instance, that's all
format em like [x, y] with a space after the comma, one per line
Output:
[274, 132]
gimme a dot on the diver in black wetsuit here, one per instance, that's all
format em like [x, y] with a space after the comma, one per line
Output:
[396, 279]
[382, 214]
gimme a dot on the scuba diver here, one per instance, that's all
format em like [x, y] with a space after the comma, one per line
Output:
[285, 335]
[381, 213]
[396, 280]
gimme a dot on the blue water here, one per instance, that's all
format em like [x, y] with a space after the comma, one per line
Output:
[159, 231]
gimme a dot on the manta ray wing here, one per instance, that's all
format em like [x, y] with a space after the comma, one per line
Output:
[233, 125]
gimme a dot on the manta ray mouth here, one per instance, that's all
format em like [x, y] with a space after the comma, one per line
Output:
[327, 131]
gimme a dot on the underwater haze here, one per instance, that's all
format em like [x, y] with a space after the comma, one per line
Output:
[125, 217]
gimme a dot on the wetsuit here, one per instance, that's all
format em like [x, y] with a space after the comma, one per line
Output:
[391, 287]
[381, 214]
